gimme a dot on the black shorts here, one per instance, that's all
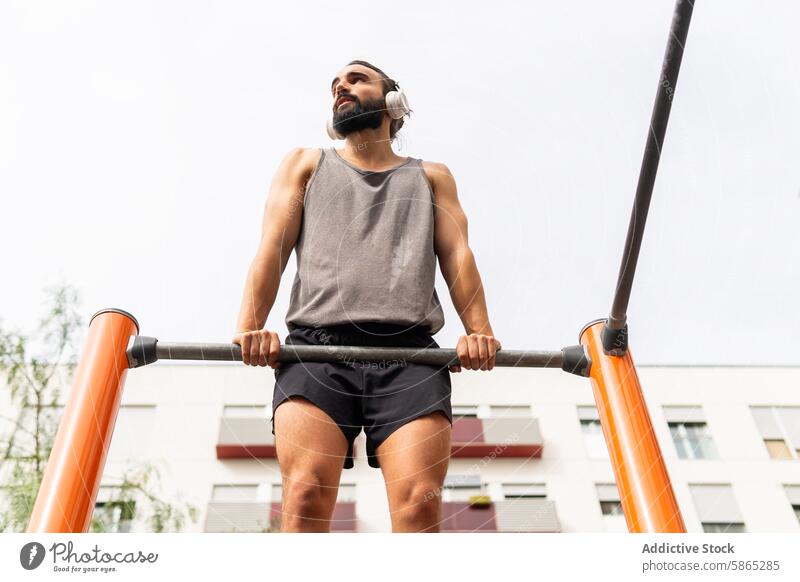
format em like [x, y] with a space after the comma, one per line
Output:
[378, 395]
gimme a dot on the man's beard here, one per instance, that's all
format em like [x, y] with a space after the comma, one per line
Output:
[357, 116]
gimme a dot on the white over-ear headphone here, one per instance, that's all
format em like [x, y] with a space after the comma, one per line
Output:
[396, 107]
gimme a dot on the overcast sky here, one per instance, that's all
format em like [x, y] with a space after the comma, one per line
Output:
[138, 141]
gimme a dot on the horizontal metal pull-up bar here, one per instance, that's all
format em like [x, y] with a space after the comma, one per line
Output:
[146, 350]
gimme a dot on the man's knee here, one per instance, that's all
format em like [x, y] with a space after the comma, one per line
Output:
[419, 502]
[303, 490]
[306, 494]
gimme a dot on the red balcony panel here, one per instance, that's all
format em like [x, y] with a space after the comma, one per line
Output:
[246, 452]
[245, 438]
[461, 516]
[512, 438]
[498, 450]
[467, 430]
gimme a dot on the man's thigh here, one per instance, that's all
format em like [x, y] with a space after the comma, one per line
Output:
[311, 449]
[414, 459]
[307, 437]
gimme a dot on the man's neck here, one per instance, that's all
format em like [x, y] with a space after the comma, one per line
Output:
[369, 149]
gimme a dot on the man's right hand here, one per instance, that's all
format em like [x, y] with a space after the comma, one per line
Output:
[259, 347]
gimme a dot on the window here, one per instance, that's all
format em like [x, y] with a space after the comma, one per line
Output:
[235, 493]
[510, 411]
[793, 493]
[723, 527]
[592, 433]
[777, 449]
[611, 508]
[608, 495]
[689, 431]
[133, 433]
[692, 440]
[780, 428]
[465, 411]
[524, 491]
[717, 508]
[113, 514]
[244, 411]
[462, 487]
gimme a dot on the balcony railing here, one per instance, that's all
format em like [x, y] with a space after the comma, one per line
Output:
[245, 438]
[236, 516]
[498, 437]
[509, 515]
[343, 519]
[248, 438]
[254, 517]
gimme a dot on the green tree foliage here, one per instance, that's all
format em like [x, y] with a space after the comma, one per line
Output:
[30, 409]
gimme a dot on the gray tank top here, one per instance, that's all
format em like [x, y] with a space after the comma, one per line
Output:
[365, 248]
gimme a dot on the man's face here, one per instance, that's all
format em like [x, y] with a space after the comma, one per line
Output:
[358, 102]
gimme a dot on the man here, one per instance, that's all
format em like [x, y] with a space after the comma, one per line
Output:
[367, 226]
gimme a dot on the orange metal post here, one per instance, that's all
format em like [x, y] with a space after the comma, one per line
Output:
[71, 480]
[644, 487]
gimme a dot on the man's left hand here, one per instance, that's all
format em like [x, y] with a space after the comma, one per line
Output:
[476, 352]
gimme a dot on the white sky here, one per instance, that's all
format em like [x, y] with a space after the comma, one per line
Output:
[138, 140]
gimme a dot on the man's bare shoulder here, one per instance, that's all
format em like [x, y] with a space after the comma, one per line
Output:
[303, 160]
[437, 173]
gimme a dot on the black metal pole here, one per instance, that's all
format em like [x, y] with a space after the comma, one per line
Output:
[616, 343]
[146, 350]
[344, 354]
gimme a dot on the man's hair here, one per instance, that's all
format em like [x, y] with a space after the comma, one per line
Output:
[389, 84]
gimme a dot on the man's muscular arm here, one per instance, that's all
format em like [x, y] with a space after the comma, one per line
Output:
[476, 350]
[283, 213]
